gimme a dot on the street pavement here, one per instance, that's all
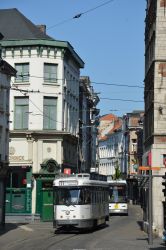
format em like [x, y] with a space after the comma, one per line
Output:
[122, 232]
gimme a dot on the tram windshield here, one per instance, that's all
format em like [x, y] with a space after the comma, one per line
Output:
[71, 196]
[118, 193]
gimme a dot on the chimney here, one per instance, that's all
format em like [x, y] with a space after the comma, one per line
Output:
[42, 28]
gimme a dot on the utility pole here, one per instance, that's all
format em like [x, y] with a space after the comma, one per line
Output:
[150, 233]
[164, 203]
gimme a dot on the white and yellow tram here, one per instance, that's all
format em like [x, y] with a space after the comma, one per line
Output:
[118, 203]
[80, 201]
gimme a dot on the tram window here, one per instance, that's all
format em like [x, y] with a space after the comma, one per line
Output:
[65, 196]
[56, 199]
[74, 195]
[118, 194]
[93, 196]
[98, 197]
[81, 197]
[87, 197]
[102, 196]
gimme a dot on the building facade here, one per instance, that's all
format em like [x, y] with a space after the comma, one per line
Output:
[155, 104]
[88, 116]
[110, 145]
[6, 71]
[44, 114]
[132, 148]
[132, 142]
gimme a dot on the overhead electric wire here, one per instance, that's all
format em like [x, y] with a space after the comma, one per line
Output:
[42, 113]
[119, 85]
[118, 99]
[98, 83]
[103, 83]
[79, 14]
[104, 98]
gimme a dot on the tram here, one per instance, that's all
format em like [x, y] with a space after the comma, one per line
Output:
[80, 201]
[118, 203]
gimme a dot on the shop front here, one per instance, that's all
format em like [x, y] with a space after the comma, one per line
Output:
[19, 190]
[44, 189]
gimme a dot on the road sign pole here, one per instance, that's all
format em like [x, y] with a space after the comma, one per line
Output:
[150, 233]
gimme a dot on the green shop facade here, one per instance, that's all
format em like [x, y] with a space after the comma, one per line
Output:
[19, 186]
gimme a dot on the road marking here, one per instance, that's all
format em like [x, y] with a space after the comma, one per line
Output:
[26, 228]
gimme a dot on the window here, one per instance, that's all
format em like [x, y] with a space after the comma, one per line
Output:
[22, 72]
[1, 99]
[21, 113]
[134, 145]
[17, 178]
[50, 113]
[1, 143]
[50, 73]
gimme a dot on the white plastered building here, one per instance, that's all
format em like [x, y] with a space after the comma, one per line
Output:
[44, 114]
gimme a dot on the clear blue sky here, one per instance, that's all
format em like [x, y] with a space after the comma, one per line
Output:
[109, 39]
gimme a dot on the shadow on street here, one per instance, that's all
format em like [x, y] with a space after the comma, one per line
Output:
[71, 230]
[9, 227]
[159, 248]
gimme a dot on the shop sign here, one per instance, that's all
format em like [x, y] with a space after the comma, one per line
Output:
[67, 171]
[16, 158]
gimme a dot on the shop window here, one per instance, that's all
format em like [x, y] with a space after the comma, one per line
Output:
[19, 179]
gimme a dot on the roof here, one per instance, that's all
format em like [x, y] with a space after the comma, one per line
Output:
[20, 31]
[15, 26]
[108, 125]
[6, 68]
[108, 117]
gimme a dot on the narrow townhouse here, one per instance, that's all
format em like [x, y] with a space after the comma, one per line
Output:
[110, 144]
[88, 129]
[6, 72]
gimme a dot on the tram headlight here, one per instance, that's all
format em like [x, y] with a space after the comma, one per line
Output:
[67, 212]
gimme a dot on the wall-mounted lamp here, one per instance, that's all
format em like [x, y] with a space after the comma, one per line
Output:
[160, 110]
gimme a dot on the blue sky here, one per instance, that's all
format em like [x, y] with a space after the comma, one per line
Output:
[109, 39]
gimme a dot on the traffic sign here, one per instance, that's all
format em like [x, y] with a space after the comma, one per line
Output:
[148, 168]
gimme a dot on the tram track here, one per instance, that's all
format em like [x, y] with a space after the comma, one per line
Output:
[59, 241]
[42, 242]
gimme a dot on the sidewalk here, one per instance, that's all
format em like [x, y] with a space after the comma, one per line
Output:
[157, 242]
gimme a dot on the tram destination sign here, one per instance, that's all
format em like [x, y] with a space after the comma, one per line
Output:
[68, 183]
